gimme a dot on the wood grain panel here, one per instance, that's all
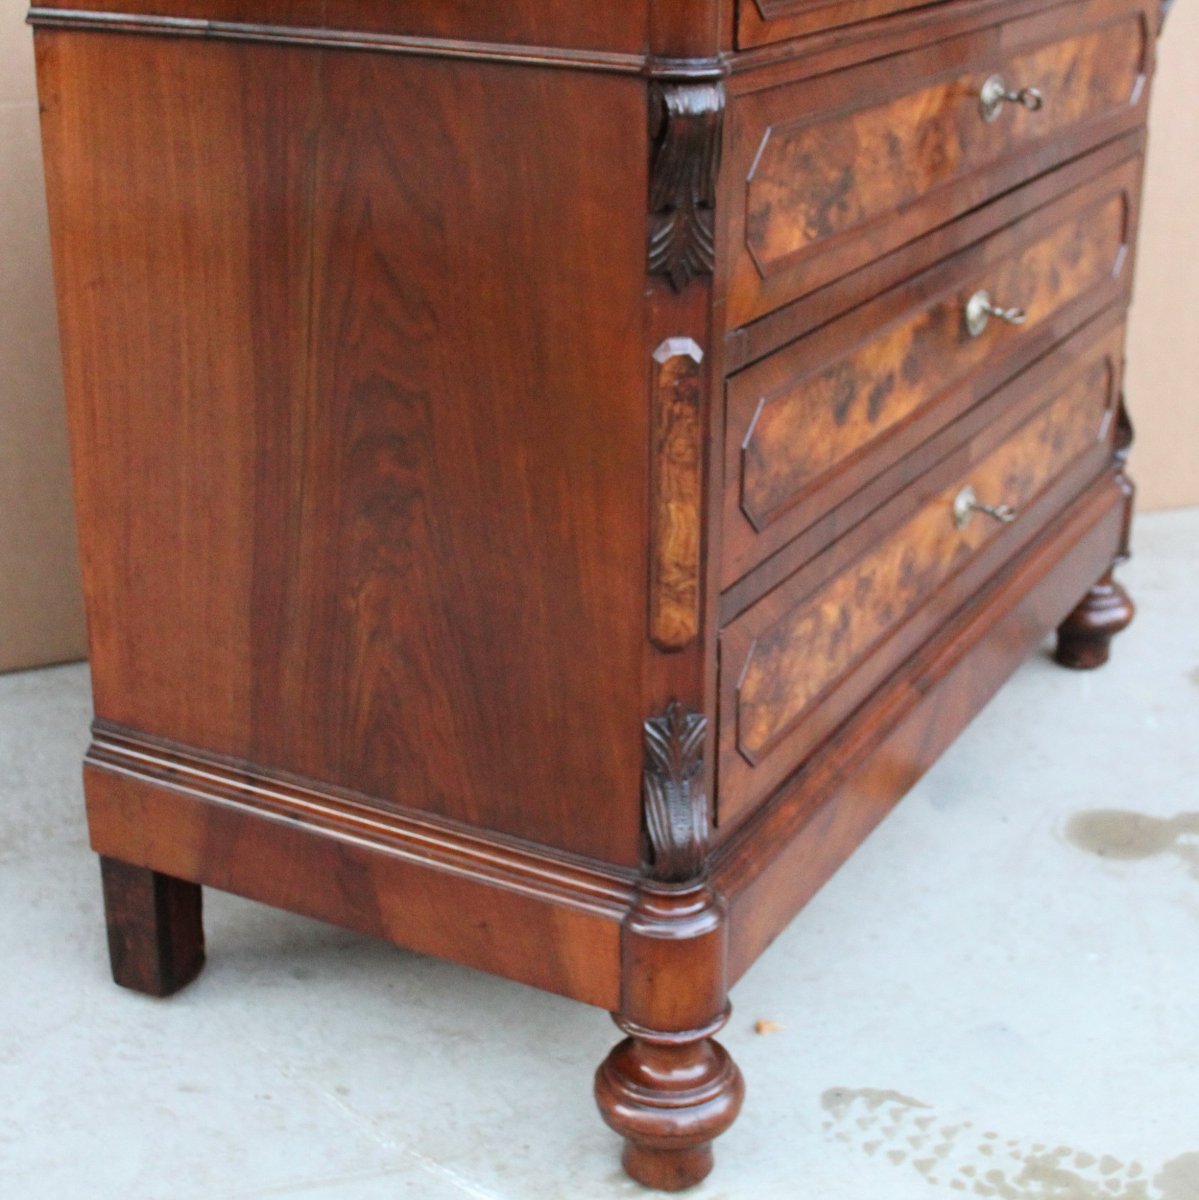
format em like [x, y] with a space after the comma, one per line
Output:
[795, 659]
[387, 409]
[840, 171]
[799, 440]
[800, 660]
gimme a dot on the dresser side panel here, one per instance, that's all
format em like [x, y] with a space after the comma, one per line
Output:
[353, 351]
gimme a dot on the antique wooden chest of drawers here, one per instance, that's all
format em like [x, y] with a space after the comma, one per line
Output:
[551, 476]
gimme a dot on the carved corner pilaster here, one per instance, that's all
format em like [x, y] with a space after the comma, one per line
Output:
[669, 1089]
[686, 122]
[676, 801]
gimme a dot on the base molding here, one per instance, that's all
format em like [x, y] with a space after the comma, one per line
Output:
[571, 926]
[422, 884]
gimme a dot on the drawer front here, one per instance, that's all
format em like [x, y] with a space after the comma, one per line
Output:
[801, 439]
[840, 170]
[760, 22]
[797, 663]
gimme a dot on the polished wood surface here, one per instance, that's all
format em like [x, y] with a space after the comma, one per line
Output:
[799, 440]
[903, 270]
[763, 21]
[613, 25]
[794, 658]
[307, 354]
[798, 436]
[669, 1100]
[516, 454]
[433, 888]
[923, 140]
[798, 663]
[672, 38]
[795, 843]
[911, 145]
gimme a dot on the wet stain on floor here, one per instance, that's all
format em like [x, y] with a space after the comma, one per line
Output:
[958, 1157]
[1131, 836]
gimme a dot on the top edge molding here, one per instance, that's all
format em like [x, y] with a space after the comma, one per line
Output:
[609, 62]
[684, 70]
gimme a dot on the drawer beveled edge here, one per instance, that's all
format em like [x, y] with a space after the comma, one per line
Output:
[876, 37]
[753, 296]
[776, 330]
[744, 783]
[838, 486]
[767, 22]
[778, 858]
[891, 495]
[341, 26]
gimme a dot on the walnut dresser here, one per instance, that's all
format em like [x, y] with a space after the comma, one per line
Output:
[552, 475]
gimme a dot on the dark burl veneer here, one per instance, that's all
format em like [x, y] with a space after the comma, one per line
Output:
[551, 476]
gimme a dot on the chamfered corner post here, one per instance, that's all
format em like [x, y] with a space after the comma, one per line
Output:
[1084, 637]
[155, 928]
[669, 1088]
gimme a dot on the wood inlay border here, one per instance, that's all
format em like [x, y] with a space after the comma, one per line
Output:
[677, 493]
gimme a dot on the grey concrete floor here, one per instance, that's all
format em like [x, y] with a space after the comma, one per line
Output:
[998, 995]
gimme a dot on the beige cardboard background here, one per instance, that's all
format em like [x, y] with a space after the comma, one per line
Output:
[1162, 376]
[41, 618]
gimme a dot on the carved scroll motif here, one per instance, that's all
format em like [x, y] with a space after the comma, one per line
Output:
[676, 804]
[686, 161]
[677, 485]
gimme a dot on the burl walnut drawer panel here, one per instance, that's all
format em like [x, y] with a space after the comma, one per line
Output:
[813, 424]
[797, 663]
[832, 173]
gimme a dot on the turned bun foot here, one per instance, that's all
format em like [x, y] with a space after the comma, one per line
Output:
[665, 1169]
[1084, 637]
[668, 1098]
[155, 928]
